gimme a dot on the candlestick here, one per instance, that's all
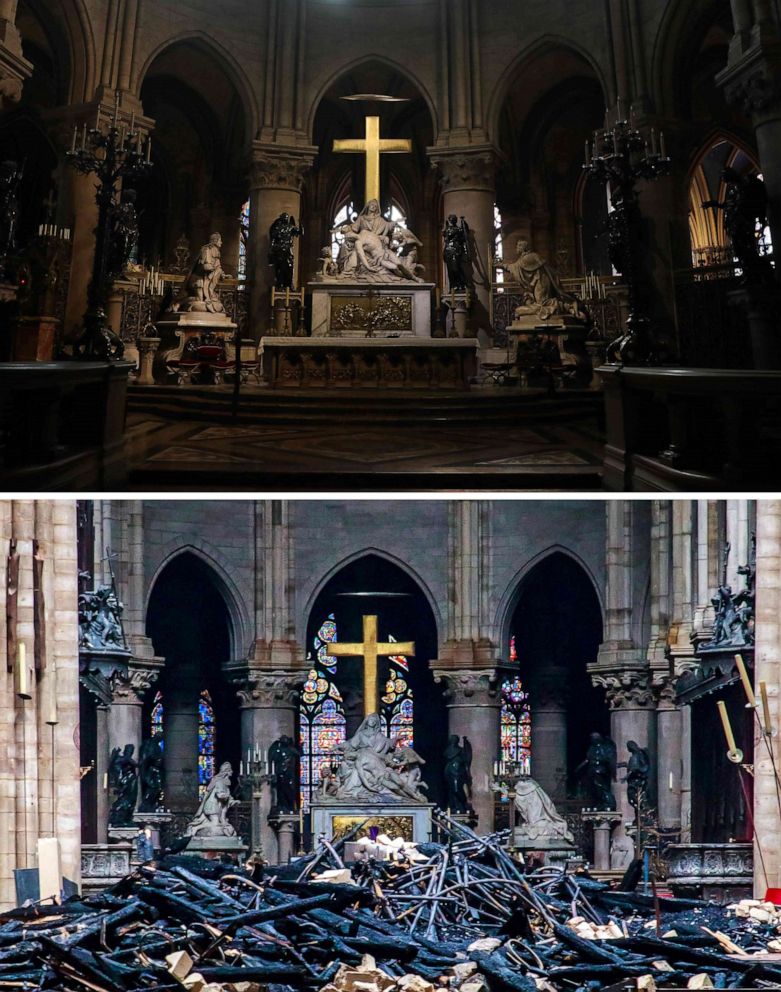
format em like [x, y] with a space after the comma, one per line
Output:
[73, 143]
[51, 719]
[727, 726]
[671, 781]
[747, 686]
[105, 780]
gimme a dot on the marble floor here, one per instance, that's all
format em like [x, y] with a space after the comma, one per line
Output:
[194, 456]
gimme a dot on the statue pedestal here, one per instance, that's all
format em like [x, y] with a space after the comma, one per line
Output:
[177, 330]
[157, 821]
[556, 850]
[458, 305]
[602, 821]
[343, 309]
[123, 835]
[214, 848]
[568, 334]
[411, 822]
[285, 825]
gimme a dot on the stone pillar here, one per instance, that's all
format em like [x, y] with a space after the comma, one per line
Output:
[767, 663]
[78, 192]
[469, 190]
[277, 178]
[669, 743]
[269, 703]
[125, 713]
[286, 839]
[14, 67]
[102, 803]
[473, 700]
[632, 718]
[180, 755]
[549, 732]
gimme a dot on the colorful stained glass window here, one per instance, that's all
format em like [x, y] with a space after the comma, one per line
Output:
[516, 724]
[326, 635]
[321, 728]
[241, 274]
[156, 719]
[206, 741]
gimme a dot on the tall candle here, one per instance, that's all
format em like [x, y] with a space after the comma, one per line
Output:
[51, 718]
[765, 707]
[747, 686]
[22, 681]
[727, 727]
[73, 143]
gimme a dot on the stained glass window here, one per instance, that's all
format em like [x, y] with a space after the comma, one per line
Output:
[206, 741]
[498, 244]
[241, 274]
[322, 727]
[326, 635]
[156, 719]
[516, 724]
[397, 709]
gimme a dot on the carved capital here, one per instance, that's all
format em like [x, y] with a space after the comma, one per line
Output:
[129, 689]
[753, 81]
[269, 690]
[97, 685]
[279, 168]
[466, 168]
[664, 687]
[469, 684]
[627, 690]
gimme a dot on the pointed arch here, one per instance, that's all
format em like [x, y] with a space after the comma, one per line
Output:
[541, 47]
[239, 628]
[322, 87]
[222, 56]
[334, 570]
[512, 594]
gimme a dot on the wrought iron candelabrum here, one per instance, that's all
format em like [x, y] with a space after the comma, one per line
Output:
[255, 773]
[114, 153]
[621, 157]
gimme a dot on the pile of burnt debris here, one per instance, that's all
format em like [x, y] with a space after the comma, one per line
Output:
[462, 915]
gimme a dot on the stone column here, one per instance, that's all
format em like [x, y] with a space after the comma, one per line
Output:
[14, 67]
[469, 190]
[269, 703]
[473, 700]
[669, 744]
[277, 178]
[180, 755]
[549, 732]
[125, 713]
[78, 193]
[102, 803]
[632, 718]
[767, 663]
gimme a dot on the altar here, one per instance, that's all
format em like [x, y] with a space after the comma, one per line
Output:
[353, 309]
[408, 363]
[410, 822]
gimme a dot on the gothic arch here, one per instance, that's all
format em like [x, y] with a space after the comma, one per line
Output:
[68, 31]
[233, 71]
[506, 608]
[322, 88]
[240, 627]
[542, 46]
[713, 137]
[349, 560]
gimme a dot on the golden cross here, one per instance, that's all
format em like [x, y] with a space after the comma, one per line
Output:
[372, 146]
[371, 649]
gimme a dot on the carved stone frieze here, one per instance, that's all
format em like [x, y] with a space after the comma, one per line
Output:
[269, 690]
[753, 82]
[473, 169]
[627, 690]
[279, 169]
[129, 689]
[469, 683]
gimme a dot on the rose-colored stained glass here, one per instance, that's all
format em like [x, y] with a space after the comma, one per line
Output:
[516, 724]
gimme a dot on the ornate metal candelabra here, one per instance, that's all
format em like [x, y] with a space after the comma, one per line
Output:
[620, 157]
[504, 782]
[255, 773]
[115, 153]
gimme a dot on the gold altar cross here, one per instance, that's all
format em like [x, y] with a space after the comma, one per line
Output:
[371, 649]
[373, 146]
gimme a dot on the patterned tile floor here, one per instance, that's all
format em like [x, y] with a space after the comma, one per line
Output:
[191, 455]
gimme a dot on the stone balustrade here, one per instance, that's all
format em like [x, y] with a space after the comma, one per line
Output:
[723, 872]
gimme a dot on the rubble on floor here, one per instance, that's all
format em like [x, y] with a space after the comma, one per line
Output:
[464, 918]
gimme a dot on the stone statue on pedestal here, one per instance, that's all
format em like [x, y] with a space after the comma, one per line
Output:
[600, 771]
[638, 768]
[150, 766]
[211, 817]
[100, 620]
[280, 255]
[123, 778]
[375, 250]
[201, 294]
[456, 253]
[371, 770]
[458, 774]
[544, 296]
[284, 758]
[539, 820]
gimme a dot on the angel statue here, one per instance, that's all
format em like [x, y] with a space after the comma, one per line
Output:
[458, 774]
[599, 766]
[211, 817]
[123, 778]
[456, 253]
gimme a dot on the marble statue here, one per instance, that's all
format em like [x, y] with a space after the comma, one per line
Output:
[280, 256]
[539, 820]
[150, 770]
[200, 288]
[600, 771]
[456, 253]
[374, 249]
[100, 620]
[284, 758]
[458, 773]
[638, 768]
[370, 769]
[211, 817]
[123, 779]
[544, 296]
[622, 849]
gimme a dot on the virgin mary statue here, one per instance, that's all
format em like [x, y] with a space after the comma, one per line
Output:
[370, 768]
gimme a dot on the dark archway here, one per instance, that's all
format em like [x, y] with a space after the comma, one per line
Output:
[557, 629]
[189, 623]
[373, 585]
